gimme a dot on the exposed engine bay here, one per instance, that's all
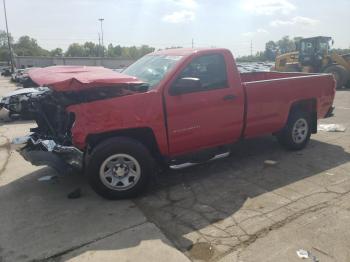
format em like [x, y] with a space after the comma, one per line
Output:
[50, 143]
[49, 108]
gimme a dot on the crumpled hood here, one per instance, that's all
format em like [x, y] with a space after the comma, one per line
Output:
[76, 78]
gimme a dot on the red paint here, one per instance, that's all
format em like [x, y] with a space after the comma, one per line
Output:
[75, 78]
[202, 119]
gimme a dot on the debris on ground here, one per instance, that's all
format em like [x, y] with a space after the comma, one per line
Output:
[46, 178]
[74, 194]
[303, 254]
[270, 162]
[331, 128]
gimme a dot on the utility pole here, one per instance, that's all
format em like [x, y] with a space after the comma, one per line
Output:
[101, 21]
[251, 48]
[8, 39]
[192, 43]
[99, 44]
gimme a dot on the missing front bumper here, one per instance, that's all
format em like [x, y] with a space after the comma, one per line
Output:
[40, 152]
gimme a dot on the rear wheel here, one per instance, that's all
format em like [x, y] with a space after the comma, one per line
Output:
[340, 74]
[119, 168]
[296, 134]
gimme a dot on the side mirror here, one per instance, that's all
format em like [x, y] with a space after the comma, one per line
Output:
[185, 85]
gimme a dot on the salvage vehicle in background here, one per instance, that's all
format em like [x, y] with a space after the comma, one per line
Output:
[24, 78]
[6, 71]
[169, 107]
[15, 104]
[15, 76]
[313, 55]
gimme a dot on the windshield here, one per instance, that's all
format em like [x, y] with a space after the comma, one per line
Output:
[152, 68]
[324, 46]
[307, 47]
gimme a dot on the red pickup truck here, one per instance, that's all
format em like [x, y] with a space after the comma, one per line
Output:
[169, 107]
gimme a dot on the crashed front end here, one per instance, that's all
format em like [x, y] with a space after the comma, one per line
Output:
[51, 142]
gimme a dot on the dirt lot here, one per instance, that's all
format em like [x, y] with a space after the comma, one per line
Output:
[234, 209]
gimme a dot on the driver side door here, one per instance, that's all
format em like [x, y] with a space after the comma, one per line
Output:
[206, 117]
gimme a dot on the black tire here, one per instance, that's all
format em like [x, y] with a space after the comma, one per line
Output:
[286, 137]
[340, 74]
[114, 146]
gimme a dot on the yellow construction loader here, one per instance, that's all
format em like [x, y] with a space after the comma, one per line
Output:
[313, 55]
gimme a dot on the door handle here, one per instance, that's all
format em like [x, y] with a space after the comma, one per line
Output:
[229, 97]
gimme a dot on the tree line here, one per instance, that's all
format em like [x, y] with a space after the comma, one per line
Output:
[275, 48]
[27, 46]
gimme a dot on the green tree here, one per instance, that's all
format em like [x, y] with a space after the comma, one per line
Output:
[286, 45]
[75, 50]
[271, 49]
[92, 50]
[4, 50]
[118, 50]
[340, 51]
[27, 46]
[110, 51]
[145, 49]
[3, 38]
[56, 52]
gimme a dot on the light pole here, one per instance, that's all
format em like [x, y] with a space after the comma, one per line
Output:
[101, 21]
[8, 38]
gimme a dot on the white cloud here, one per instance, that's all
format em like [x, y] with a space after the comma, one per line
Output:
[187, 13]
[261, 31]
[268, 7]
[258, 31]
[187, 4]
[298, 20]
[179, 17]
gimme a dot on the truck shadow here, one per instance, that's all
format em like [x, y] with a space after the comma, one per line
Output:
[222, 203]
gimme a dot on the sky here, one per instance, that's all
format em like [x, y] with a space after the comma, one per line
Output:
[234, 24]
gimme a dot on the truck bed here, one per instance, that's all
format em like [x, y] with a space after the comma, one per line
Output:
[270, 95]
[262, 76]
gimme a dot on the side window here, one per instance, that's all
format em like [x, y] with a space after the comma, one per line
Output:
[209, 69]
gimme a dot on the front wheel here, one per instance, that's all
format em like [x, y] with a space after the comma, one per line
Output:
[119, 168]
[296, 134]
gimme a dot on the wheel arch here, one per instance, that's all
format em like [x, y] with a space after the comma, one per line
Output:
[308, 106]
[144, 135]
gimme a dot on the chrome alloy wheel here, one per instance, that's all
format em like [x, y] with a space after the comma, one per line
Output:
[120, 172]
[300, 131]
